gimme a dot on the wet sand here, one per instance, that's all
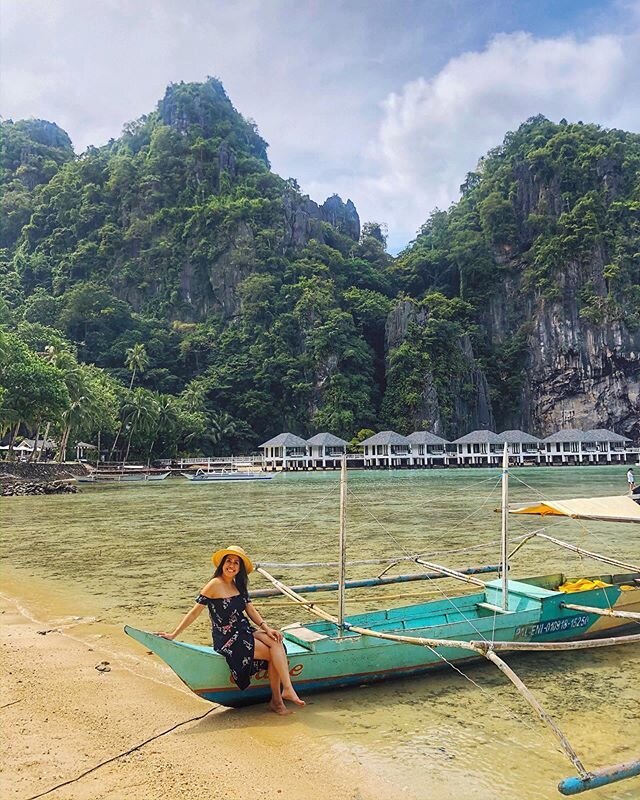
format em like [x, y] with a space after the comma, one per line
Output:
[61, 716]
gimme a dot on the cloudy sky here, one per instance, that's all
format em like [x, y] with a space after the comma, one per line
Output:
[388, 102]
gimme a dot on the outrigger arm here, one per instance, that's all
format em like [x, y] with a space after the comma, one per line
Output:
[586, 779]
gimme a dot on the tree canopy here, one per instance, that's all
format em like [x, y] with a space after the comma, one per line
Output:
[210, 303]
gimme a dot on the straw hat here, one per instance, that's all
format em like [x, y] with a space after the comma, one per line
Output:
[232, 550]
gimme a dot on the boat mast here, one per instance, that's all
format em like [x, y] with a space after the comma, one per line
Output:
[505, 512]
[343, 540]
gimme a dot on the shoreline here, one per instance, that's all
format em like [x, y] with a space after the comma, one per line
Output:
[61, 717]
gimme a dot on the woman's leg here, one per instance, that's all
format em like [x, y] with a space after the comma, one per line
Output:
[272, 651]
[277, 703]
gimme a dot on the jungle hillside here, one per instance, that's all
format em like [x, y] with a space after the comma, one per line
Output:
[171, 293]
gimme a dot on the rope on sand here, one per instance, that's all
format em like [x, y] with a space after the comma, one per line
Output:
[121, 755]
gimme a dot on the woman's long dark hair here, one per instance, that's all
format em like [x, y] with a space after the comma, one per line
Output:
[241, 580]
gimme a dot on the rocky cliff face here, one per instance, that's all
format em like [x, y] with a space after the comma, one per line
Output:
[342, 216]
[543, 247]
[576, 374]
[303, 218]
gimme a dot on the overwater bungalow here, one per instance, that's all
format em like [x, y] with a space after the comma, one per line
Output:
[604, 447]
[285, 451]
[479, 448]
[523, 447]
[428, 449]
[325, 450]
[597, 446]
[564, 447]
[387, 449]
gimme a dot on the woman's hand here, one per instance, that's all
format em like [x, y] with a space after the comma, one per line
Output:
[169, 636]
[272, 633]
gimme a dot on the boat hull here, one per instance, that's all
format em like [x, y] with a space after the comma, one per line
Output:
[126, 477]
[322, 658]
[224, 477]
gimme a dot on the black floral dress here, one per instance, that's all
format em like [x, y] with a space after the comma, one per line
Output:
[232, 636]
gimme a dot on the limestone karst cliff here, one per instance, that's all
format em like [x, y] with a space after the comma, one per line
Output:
[544, 247]
[518, 307]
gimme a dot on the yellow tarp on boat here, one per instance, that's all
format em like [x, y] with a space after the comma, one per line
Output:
[582, 585]
[609, 509]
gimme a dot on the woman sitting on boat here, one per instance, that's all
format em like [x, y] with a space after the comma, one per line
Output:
[247, 651]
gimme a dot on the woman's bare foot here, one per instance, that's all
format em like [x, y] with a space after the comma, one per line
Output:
[290, 694]
[279, 708]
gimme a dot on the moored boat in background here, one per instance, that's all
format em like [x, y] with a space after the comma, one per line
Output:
[206, 476]
[124, 476]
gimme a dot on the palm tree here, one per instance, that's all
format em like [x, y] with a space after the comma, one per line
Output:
[140, 410]
[166, 420]
[137, 360]
[222, 426]
[227, 429]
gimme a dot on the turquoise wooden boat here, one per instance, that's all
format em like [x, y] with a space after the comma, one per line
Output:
[548, 612]
[323, 656]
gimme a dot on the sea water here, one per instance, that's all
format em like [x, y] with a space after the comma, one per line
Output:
[139, 553]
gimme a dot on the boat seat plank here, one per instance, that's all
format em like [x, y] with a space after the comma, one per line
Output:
[303, 633]
[491, 607]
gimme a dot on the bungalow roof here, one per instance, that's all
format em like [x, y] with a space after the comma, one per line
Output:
[568, 435]
[19, 447]
[285, 440]
[425, 437]
[327, 439]
[479, 437]
[518, 436]
[386, 437]
[47, 444]
[603, 435]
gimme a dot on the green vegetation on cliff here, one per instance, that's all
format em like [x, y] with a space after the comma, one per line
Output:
[554, 208]
[250, 309]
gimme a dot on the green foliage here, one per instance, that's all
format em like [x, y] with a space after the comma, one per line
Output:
[497, 219]
[429, 360]
[174, 262]
[505, 371]
[32, 390]
[552, 199]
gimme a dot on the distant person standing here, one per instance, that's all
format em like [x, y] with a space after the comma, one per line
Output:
[631, 481]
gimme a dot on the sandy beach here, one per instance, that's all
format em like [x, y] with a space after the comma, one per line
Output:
[61, 716]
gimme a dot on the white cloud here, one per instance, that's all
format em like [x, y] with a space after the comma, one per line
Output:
[315, 77]
[434, 130]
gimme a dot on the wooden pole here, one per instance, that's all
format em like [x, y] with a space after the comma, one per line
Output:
[343, 540]
[450, 573]
[540, 711]
[504, 528]
[607, 612]
[584, 644]
[582, 552]
[367, 583]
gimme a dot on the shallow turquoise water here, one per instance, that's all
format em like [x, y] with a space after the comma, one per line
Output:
[140, 553]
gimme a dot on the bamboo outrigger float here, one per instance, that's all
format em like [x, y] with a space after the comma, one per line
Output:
[505, 615]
